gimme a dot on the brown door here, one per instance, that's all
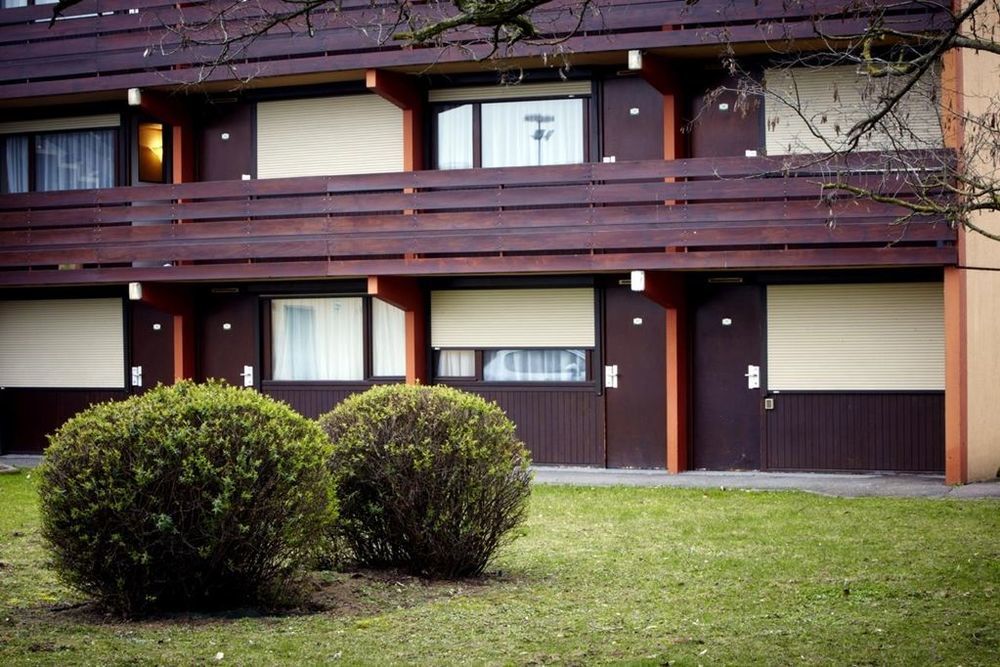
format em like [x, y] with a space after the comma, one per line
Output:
[721, 128]
[635, 347]
[228, 338]
[633, 120]
[728, 340]
[152, 343]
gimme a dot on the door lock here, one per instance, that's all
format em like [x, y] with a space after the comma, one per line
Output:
[137, 376]
[247, 376]
[753, 377]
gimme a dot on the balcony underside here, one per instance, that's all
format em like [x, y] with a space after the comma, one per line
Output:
[682, 214]
[111, 49]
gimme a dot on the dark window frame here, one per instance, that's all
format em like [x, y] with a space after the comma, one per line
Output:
[477, 124]
[478, 377]
[33, 156]
[367, 343]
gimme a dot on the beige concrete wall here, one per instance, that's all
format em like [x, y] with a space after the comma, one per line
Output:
[983, 380]
[980, 77]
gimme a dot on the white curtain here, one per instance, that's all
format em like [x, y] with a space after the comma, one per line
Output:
[537, 132]
[454, 138]
[535, 366]
[456, 363]
[10, 4]
[75, 160]
[16, 164]
[317, 339]
[388, 340]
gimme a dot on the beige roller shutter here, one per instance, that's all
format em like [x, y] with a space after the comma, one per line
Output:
[56, 124]
[834, 99]
[855, 337]
[513, 318]
[356, 134]
[520, 91]
[71, 343]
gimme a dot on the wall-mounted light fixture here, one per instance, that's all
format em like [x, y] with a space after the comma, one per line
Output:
[634, 59]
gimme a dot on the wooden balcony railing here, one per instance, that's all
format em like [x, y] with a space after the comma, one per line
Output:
[106, 45]
[717, 213]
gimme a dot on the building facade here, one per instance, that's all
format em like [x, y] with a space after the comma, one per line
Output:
[610, 248]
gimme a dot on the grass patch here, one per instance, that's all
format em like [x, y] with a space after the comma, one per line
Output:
[643, 576]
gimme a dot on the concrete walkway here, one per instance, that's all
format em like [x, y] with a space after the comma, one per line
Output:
[890, 485]
[19, 461]
[893, 485]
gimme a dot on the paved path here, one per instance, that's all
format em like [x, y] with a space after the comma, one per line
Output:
[19, 461]
[822, 483]
[931, 486]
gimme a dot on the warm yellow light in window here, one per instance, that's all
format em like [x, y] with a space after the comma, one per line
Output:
[151, 152]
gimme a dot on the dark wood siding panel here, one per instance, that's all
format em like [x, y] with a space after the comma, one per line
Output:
[28, 415]
[227, 159]
[311, 401]
[716, 132]
[901, 432]
[559, 426]
[628, 136]
[101, 52]
[587, 217]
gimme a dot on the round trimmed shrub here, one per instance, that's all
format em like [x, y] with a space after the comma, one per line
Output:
[432, 480]
[188, 496]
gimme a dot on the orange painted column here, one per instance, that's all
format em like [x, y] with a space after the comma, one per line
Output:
[677, 390]
[405, 293]
[956, 410]
[955, 377]
[667, 289]
[182, 162]
[403, 91]
[176, 301]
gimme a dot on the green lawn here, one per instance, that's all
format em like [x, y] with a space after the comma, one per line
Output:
[641, 576]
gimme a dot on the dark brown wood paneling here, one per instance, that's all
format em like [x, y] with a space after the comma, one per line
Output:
[152, 347]
[726, 416]
[224, 350]
[311, 400]
[560, 426]
[99, 52]
[900, 431]
[227, 159]
[570, 218]
[629, 136]
[28, 415]
[636, 409]
[719, 127]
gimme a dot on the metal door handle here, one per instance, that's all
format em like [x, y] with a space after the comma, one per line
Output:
[753, 376]
[247, 376]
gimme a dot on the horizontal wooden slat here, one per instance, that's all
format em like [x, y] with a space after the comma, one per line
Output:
[557, 214]
[141, 49]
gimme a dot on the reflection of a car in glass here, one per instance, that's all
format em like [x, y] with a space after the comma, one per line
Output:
[535, 365]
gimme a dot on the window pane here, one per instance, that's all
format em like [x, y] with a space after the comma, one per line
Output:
[535, 366]
[15, 164]
[388, 340]
[456, 363]
[454, 138]
[75, 160]
[151, 153]
[536, 132]
[317, 339]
